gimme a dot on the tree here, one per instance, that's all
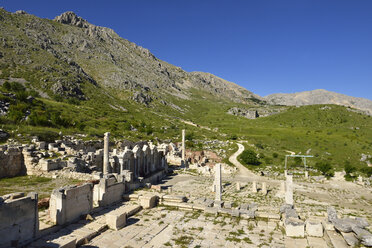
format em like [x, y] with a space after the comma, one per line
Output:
[325, 168]
[249, 157]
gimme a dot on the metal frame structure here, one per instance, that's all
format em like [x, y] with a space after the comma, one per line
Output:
[298, 156]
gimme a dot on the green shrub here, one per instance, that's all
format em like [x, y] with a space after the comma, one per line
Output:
[249, 157]
[325, 168]
[260, 146]
[275, 155]
[349, 168]
[367, 171]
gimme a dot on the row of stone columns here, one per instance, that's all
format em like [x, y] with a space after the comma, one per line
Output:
[139, 162]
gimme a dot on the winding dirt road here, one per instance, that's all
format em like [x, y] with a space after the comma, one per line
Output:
[243, 173]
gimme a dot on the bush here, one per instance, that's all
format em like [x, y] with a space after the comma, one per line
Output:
[367, 171]
[234, 137]
[249, 157]
[189, 136]
[48, 136]
[349, 168]
[275, 155]
[325, 168]
[260, 146]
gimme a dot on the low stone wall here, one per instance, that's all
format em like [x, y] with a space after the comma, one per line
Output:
[153, 179]
[108, 191]
[69, 203]
[11, 162]
[19, 220]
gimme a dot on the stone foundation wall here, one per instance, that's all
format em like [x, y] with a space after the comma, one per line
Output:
[69, 203]
[108, 191]
[19, 220]
[11, 162]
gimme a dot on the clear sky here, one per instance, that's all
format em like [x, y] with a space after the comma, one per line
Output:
[266, 46]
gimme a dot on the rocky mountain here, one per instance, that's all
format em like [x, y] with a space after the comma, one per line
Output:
[320, 97]
[62, 57]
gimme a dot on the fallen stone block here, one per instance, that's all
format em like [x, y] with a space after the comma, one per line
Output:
[253, 206]
[247, 214]
[294, 227]
[235, 212]
[273, 216]
[244, 206]
[212, 211]
[156, 187]
[62, 242]
[291, 213]
[336, 239]
[328, 226]
[198, 207]
[174, 198]
[208, 203]
[314, 229]
[83, 235]
[225, 211]
[363, 235]
[148, 201]
[350, 238]
[132, 209]
[116, 219]
[227, 205]
[130, 197]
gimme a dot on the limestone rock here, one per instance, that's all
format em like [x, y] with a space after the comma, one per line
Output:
[332, 214]
[314, 228]
[350, 239]
[363, 235]
[71, 18]
[342, 225]
[294, 227]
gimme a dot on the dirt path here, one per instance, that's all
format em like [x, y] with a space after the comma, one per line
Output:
[243, 173]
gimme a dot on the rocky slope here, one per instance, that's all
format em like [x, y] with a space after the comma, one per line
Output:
[320, 97]
[63, 56]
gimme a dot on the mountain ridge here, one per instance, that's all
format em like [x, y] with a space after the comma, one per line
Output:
[320, 96]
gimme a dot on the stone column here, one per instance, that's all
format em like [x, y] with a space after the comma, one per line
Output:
[289, 190]
[237, 186]
[254, 187]
[306, 174]
[106, 142]
[217, 181]
[183, 144]
[264, 188]
[282, 188]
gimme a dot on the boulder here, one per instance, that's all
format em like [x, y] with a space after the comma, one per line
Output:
[342, 225]
[332, 214]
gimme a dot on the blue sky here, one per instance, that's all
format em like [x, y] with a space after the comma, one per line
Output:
[268, 46]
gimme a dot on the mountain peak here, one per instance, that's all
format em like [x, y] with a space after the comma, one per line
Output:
[71, 18]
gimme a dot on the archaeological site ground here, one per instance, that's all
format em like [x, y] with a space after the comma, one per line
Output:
[102, 144]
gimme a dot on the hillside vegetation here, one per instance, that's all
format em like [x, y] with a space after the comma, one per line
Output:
[67, 76]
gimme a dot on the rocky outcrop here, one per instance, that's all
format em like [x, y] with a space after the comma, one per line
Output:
[320, 97]
[249, 114]
[71, 18]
